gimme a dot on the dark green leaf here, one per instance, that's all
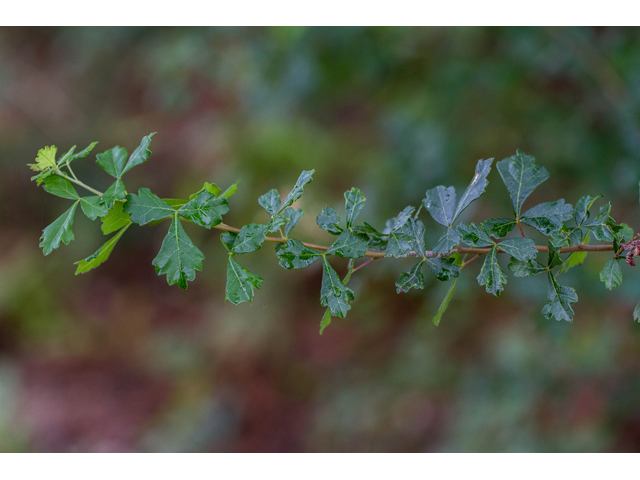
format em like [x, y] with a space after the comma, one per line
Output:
[295, 254]
[328, 220]
[626, 233]
[474, 235]
[441, 204]
[304, 178]
[399, 245]
[271, 202]
[240, 283]
[250, 238]
[326, 320]
[415, 229]
[205, 209]
[411, 279]
[60, 187]
[447, 242]
[92, 208]
[333, 293]
[491, 274]
[476, 187]
[444, 269]
[228, 239]
[521, 174]
[140, 154]
[559, 299]
[526, 269]
[275, 223]
[113, 161]
[59, 231]
[520, 248]
[402, 218]
[581, 212]
[147, 207]
[611, 274]
[115, 219]
[101, 256]
[349, 245]
[292, 216]
[498, 227]
[445, 303]
[178, 258]
[114, 193]
[548, 217]
[554, 256]
[354, 203]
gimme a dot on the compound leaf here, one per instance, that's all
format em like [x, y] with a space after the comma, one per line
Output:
[521, 175]
[59, 231]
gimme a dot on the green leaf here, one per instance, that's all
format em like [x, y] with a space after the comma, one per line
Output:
[445, 303]
[573, 260]
[275, 223]
[611, 274]
[333, 293]
[526, 269]
[295, 254]
[140, 154]
[498, 227]
[115, 219]
[411, 279]
[101, 256]
[240, 283]
[548, 217]
[113, 161]
[559, 299]
[491, 274]
[474, 235]
[626, 233]
[328, 220]
[326, 320]
[46, 159]
[399, 245]
[60, 187]
[70, 157]
[178, 258]
[444, 269]
[354, 203]
[205, 209]
[415, 229]
[92, 208]
[349, 245]
[554, 256]
[447, 242]
[229, 191]
[59, 231]
[292, 216]
[441, 204]
[227, 239]
[636, 312]
[66, 156]
[304, 178]
[114, 193]
[476, 187]
[271, 202]
[602, 225]
[581, 212]
[520, 248]
[402, 218]
[250, 238]
[212, 188]
[521, 174]
[147, 207]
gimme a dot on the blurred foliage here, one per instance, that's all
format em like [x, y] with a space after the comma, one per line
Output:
[116, 360]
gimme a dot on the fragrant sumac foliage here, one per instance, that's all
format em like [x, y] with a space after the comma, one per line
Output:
[569, 231]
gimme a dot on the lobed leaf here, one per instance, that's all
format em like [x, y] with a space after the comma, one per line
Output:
[147, 207]
[349, 245]
[250, 238]
[447, 242]
[498, 227]
[328, 220]
[491, 274]
[411, 279]
[292, 217]
[59, 231]
[548, 217]
[444, 269]
[45, 159]
[474, 235]
[240, 283]
[521, 175]
[354, 203]
[333, 293]
[271, 202]
[611, 274]
[205, 209]
[294, 254]
[559, 300]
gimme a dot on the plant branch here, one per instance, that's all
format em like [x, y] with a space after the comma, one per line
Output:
[78, 182]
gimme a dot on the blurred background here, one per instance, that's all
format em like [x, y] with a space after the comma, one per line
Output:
[116, 360]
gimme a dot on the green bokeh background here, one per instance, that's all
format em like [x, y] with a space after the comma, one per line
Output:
[116, 360]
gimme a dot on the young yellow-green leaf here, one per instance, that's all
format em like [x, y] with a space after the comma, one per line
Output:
[349, 245]
[101, 256]
[445, 303]
[60, 187]
[205, 209]
[328, 220]
[92, 208]
[271, 202]
[212, 188]
[178, 257]
[448, 241]
[59, 231]
[326, 320]
[444, 269]
[115, 219]
[46, 159]
[491, 274]
[229, 191]
[474, 235]
[611, 274]
[70, 156]
[140, 154]
[498, 227]
[295, 254]
[240, 283]
[113, 161]
[146, 207]
[441, 204]
[114, 193]
[292, 217]
[559, 300]
[521, 174]
[411, 279]
[520, 248]
[304, 178]
[573, 260]
[548, 217]
[333, 293]
[475, 188]
[250, 238]
[354, 203]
